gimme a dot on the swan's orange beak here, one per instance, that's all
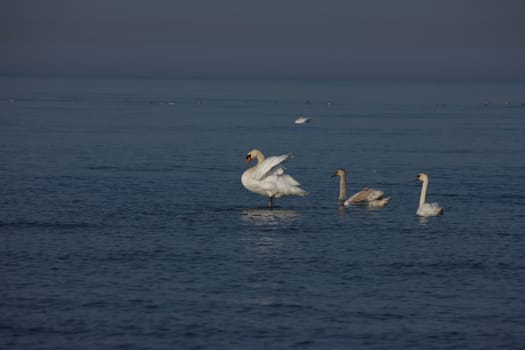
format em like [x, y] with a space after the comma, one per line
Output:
[248, 158]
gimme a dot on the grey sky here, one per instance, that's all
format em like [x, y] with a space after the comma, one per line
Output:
[246, 38]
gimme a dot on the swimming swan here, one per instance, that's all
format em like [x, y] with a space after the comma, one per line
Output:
[367, 196]
[426, 209]
[268, 178]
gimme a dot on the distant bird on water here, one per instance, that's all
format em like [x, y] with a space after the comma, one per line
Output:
[302, 120]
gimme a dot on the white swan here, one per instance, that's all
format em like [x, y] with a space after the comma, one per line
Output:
[367, 196]
[268, 178]
[426, 209]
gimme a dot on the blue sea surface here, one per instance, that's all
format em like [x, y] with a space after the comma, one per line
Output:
[124, 224]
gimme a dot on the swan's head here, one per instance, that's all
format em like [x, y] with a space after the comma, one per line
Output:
[339, 172]
[252, 154]
[422, 177]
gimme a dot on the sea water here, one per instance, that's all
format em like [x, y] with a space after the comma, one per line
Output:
[124, 224]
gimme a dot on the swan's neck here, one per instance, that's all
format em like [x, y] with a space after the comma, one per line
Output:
[423, 195]
[260, 159]
[342, 187]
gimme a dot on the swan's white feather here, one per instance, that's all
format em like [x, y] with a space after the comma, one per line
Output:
[429, 209]
[271, 165]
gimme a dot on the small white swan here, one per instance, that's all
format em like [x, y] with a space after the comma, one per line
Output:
[268, 178]
[427, 209]
[367, 196]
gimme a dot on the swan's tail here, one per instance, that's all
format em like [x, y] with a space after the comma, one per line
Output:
[298, 191]
[303, 193]
[379, 203]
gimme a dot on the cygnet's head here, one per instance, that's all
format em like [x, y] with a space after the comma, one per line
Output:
[422, 177]
[339, 172]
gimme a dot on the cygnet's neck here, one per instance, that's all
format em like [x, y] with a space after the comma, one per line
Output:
[342, 187]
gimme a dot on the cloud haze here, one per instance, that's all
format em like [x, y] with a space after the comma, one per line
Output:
[272, 38]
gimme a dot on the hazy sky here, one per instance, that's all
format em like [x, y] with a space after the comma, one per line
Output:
[287, 38]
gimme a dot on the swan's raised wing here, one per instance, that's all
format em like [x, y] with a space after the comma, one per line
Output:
[272, 165]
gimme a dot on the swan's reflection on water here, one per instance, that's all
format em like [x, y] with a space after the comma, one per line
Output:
[423, 220]
[268, 238]
[266, 216]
